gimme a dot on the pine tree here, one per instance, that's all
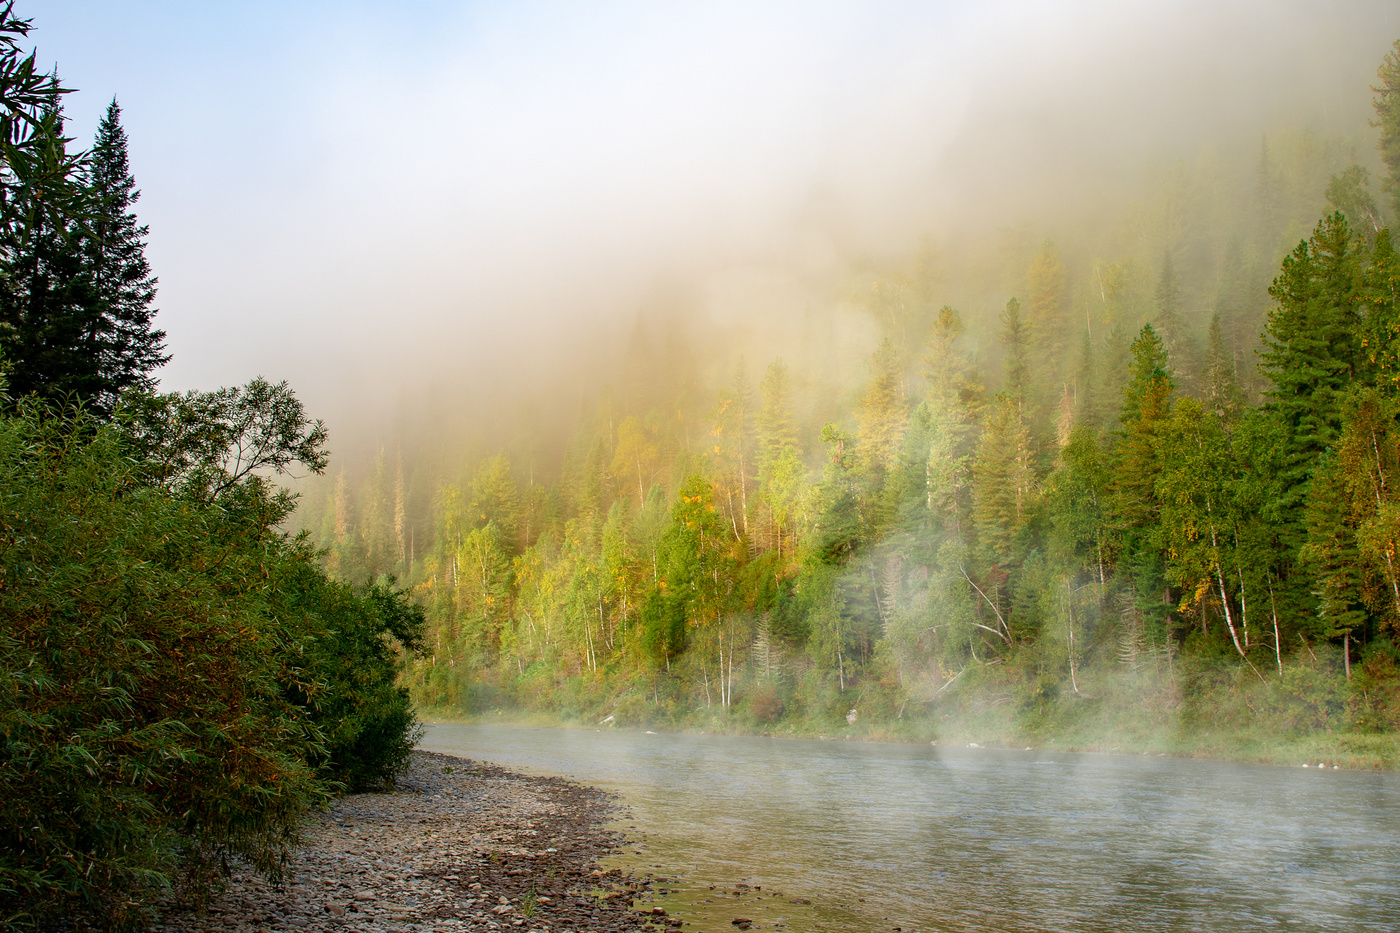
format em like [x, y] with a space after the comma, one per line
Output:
[1076, 501]
[1170, 326]
[51, 335]
[115, 256]
[777, 429]
[76, 303]
[1313, 339]
[1381, 334]
[951, 379]
[1015, 340]
[1387, 104]
[1045, 312]
[1004, 483]
[496, 500]
[882, 412]
[1222, 391]
[1136, 508]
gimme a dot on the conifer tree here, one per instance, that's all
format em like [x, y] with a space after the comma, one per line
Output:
[1015, 340]
[77, 298]
[115, 257]
[1222, 390]
[951, 379]
[1236, 301]
[1313, 339]
[1004, 483]
[1136, 508]
[777, 427]
[882, 411]
[1076, 500]
[1170, 326]
[1387, 104]
[496, 499]
[1045, 312]
[1381, 333]
[51, 332]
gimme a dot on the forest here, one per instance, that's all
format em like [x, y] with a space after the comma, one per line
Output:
[1108, 482]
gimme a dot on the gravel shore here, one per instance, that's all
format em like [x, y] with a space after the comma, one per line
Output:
[458, 845]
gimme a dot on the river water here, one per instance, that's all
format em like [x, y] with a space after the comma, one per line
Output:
[879, 836]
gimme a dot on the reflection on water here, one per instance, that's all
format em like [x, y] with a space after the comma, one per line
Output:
[940, 839]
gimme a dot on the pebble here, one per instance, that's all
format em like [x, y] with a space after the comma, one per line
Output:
[458, 845]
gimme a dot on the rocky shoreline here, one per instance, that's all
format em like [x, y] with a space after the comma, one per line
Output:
[457, 845]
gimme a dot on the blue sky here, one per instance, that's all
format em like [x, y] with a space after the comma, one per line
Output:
[359, 196]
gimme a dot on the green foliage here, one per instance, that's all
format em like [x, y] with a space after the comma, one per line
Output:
[145, 728]
[1314, 334]
[184, 683]
[1120, 531]
[75, 289]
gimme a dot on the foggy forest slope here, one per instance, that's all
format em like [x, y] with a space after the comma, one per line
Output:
[1110, 474]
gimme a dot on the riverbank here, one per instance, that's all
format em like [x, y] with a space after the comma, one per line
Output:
[457, 845]
[1109, 732]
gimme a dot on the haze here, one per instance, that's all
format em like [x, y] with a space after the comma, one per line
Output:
[461, 198]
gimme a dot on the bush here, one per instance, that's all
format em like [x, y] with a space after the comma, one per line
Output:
[181, 683]
[143, 728]
[632, 711]
[352, 646]
[765, 705]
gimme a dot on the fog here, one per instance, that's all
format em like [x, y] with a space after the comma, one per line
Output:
[462, 201]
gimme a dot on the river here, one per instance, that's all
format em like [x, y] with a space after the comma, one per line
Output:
[879, 836]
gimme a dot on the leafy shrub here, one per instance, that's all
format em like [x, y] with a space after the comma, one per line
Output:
[181, 681]
[352, 642]
[143, 727]
[765, 705]
[632, 711]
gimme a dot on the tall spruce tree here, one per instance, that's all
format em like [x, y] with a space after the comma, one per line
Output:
[75, 301]
[1170, 326]
[1313, 339]
[1387, 104]
[50, 337]
[115, 257]
[1015, 340]
[1220, 387]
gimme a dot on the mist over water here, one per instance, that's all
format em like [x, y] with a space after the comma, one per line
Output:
[979, 839]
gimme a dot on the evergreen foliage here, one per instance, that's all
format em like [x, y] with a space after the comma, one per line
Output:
[1387, 104]
[114, 257]
[75, 287]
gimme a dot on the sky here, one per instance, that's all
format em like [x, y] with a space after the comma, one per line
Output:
[372, 200]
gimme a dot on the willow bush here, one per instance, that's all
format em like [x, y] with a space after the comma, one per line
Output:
[181, 683]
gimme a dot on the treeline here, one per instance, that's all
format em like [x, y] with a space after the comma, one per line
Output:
[182, 681]
[1188, 472]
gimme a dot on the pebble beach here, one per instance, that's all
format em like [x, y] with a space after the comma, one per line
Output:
[456, 845]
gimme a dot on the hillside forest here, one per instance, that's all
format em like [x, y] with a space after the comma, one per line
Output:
[1123, 475]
